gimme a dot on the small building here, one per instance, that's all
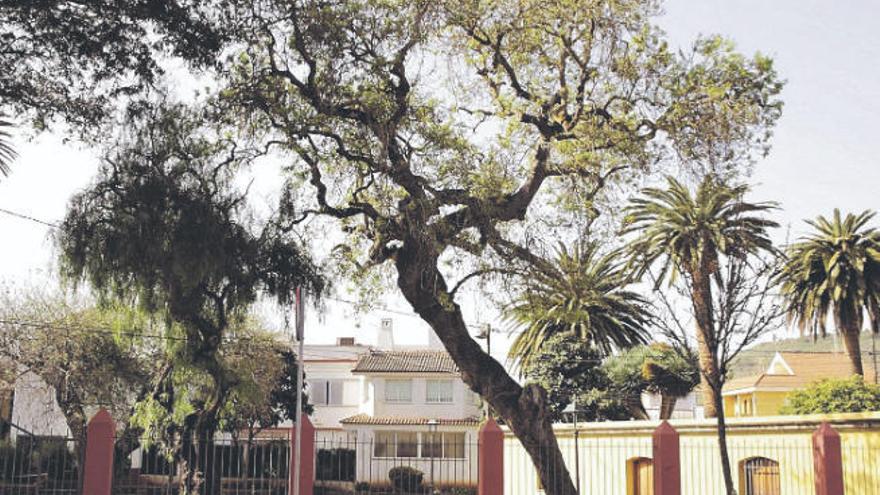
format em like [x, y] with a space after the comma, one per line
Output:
[765, 393]
[415, 412]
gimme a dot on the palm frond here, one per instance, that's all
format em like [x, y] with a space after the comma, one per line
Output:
[7, 152]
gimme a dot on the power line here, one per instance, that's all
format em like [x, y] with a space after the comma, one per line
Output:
[29, 218]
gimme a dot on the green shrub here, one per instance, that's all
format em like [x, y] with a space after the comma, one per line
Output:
[406, 479]
[834, 396]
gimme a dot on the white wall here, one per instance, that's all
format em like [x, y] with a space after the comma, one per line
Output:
[328, 416]
[34, 408]
[464, 404]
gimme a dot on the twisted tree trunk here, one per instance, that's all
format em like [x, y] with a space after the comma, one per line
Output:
[523, 409]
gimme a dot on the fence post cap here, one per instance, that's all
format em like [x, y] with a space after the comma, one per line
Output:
[102, 416]
[490, 426]
[825, 430]
[664, 430]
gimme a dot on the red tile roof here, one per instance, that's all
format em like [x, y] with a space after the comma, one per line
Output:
[410, 361]
[366, 419]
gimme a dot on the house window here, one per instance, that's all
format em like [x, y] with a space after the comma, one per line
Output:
[396, 444]
[326, 392]
[439, 391]
[398, 390]
[447, 445]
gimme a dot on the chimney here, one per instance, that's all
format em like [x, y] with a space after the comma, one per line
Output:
[345, 341]
[385, 338]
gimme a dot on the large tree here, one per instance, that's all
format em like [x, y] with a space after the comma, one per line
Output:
[448, 136]
[835, 271]
[687, 235]
[713, 248]
[164, 227]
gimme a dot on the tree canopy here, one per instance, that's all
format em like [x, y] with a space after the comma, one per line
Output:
[832, 396]
[450, 140]
[835, 271]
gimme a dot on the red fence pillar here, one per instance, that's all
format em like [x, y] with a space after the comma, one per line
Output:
[307, 465]
[667, 465]
[98, 470]
[827, 460]
[490, 473]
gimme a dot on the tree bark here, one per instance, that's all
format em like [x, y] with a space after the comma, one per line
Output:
[523, 409]
[721, 427]
[706, 345]
[851, 336]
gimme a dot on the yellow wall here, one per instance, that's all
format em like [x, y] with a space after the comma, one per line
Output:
[752, 404]
[769, 403]
[605, 449]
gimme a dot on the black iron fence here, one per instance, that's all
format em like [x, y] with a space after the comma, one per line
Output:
[404, 463]
[32, 464]
[224, 466]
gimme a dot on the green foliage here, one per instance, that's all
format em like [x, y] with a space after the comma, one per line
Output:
[75, 60]
[585, 298]
[406, 479]
[671, 372]
[687, 233]
[657, 368]
[569, 368]
[165, 227]
[834, 396]
[834, 271]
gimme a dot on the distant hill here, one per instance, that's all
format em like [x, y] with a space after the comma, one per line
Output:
[755, 359]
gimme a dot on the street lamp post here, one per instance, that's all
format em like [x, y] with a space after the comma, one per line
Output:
[432, 430]
[573, 408]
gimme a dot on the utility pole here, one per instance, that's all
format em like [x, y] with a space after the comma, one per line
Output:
[297, 442]
[486, 333]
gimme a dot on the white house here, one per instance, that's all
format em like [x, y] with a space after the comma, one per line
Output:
[415, 411]
[334, 392]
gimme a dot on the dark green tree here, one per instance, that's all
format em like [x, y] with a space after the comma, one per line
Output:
[164, 227]
[570, 369]
[75, 60]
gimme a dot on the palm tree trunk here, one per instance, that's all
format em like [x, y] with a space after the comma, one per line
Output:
[702, 301]
[853, 347]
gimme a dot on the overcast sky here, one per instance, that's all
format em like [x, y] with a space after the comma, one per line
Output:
[824, 151]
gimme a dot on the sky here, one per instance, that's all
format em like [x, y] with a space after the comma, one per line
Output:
[824, 150]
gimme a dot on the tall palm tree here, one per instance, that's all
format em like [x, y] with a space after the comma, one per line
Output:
[686, 235]
[586, 297]
[7, 152]
[835, 271]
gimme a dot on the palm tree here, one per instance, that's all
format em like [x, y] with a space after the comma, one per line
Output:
[686, 235]
[7, 152]
[836, 271]
[585, 297]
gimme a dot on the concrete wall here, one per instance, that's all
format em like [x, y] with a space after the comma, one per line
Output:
[605, 449]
